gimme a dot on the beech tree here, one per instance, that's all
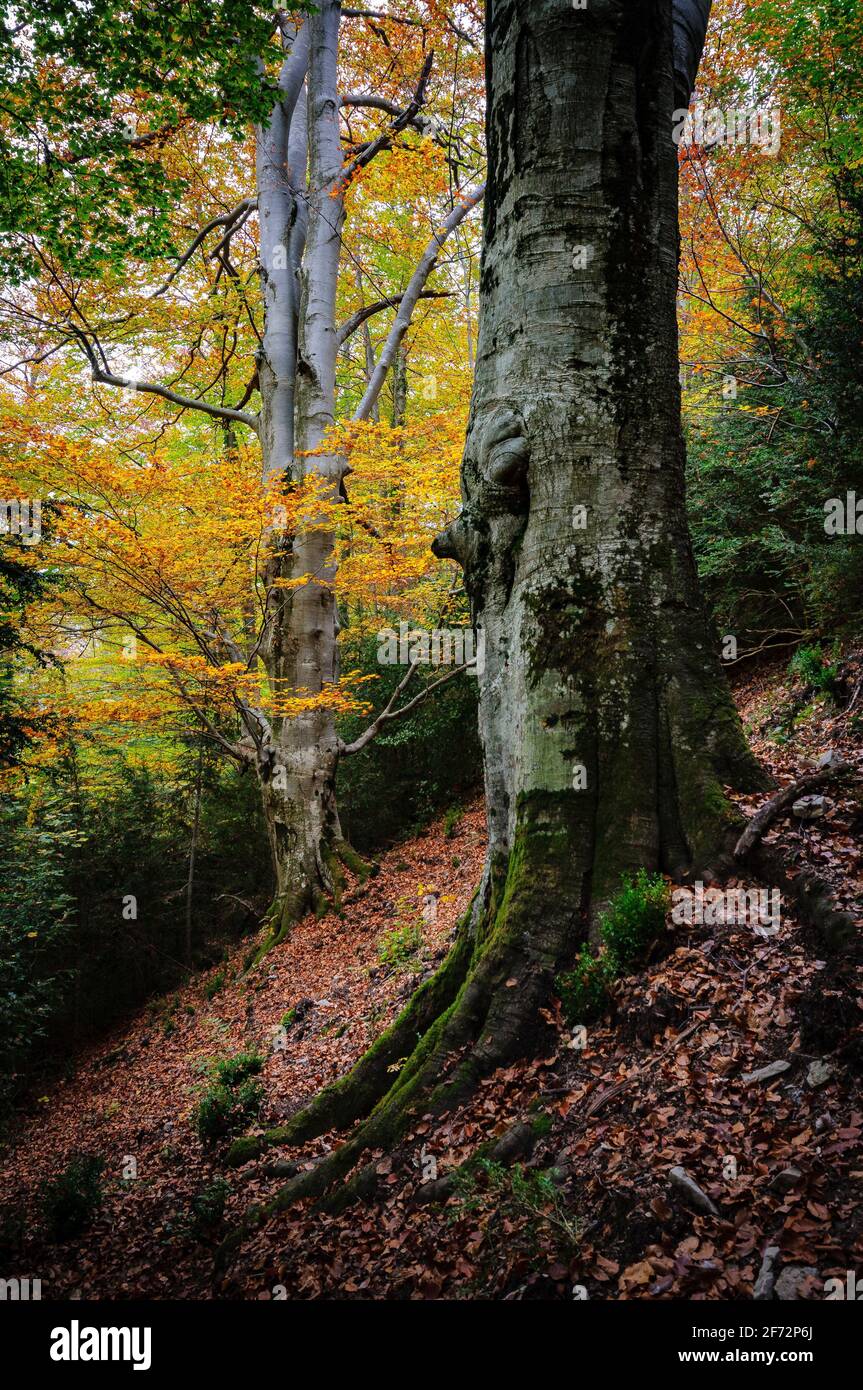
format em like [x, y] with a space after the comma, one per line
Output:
[608, 730]
[297, 760]
[305, 161]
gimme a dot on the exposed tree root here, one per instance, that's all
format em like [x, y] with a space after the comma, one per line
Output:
[810, 894]
[772, 809]
[362, 869]
[354, 1096]
[479, 1011]
[320, 894]
[516, 1143]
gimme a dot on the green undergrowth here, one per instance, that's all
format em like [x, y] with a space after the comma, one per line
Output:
[518, 1208]
[71, 1201]
[631, 923]
[233, 1097]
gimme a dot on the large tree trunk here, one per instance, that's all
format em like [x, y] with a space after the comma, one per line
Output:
[609, 732]
[607, 725]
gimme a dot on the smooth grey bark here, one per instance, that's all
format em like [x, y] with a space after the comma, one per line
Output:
[399, 408]
[298, 387]
[280, 184]
[369, 355]
[608, 731]
[301, 228]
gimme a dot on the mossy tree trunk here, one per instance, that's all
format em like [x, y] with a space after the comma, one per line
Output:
[608, 729]
[604, 712]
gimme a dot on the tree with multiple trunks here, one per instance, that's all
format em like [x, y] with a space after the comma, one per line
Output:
[609, 734]
[92, 134]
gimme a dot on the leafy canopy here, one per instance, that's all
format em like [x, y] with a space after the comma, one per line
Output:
[89, 95]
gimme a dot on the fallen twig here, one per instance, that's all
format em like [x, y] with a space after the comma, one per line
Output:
[600, 1100]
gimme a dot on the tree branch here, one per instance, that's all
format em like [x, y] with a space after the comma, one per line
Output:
[392, 108]
[406, 118]
[220, 412]
[382, 18]
[387, 714]
[369, 310]
[109, 378]
[409, 300]
[226, 219]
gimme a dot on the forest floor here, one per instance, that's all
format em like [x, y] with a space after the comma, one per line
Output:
[589, 1207]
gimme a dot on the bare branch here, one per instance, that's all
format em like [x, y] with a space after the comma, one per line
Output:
[406, 118]
[226, 219]
[382, 18]
[109, 378]
[424, 124]
[225, 244]
[369, 310]
[388, 713]
[411, 296]
[377, 103]
[220, 412]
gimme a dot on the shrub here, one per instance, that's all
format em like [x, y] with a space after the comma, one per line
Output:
[526, 1203]
[451, 821]
[71, 1201]
[233, 1099]
[583, 990]
[809, 666]
[630, 924]
[214, 985]
[222, 1111]
[761, 469]
[397, 948]
[207, 1209]
[233, 1070]
[634, 919]
[37, 928]
[66, 844]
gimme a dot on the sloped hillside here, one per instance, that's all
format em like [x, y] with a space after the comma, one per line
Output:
[734, 1056]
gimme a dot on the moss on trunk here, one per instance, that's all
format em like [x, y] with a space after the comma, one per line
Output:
[609, 733]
